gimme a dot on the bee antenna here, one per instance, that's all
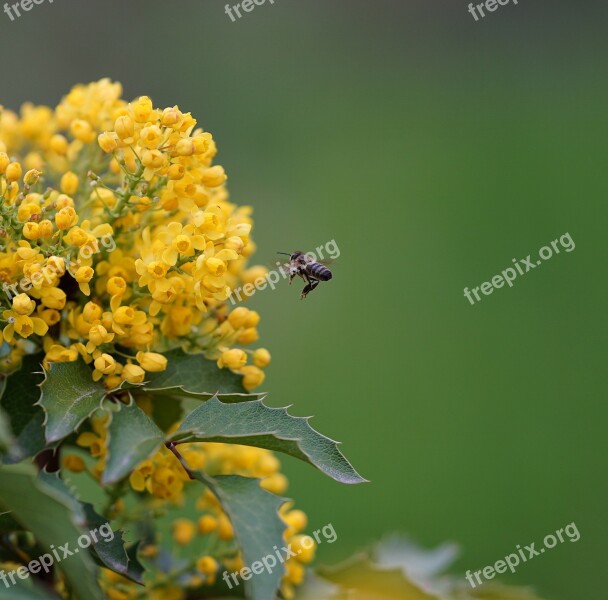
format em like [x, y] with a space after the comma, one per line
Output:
[285, 253]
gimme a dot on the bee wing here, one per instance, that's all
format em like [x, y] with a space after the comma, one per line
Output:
[326, 262]
[284, 268]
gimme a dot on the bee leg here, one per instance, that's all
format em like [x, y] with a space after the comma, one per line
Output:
[312, 284]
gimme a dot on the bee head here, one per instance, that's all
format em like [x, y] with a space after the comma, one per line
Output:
[292, 255]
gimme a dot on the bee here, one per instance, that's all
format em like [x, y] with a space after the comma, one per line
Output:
[311, 271]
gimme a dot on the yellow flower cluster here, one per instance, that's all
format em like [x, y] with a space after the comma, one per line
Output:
[118, 240]
[163, 479]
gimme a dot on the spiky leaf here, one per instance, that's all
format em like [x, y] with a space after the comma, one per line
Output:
[6, 435]
[110, 550]
[44, 512]
[68, 497]
[360, 575]
[69, 396]
[255, 424]
[258, 528]
[194, 373]
[19, 400]
[24, 590]
[132, 438]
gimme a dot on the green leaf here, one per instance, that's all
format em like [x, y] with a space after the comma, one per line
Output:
[135, 571]
[43, 511]
[258, 528]
[111, 552]
[19, 401]
[8, 523]
[67, 496]
[132, 438]
[194, 373]
[69, 396]
[492, 591]
[6, 435]
[360, 574]
[255, 424]
[24, 590]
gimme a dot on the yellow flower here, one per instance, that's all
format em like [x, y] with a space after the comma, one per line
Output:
[74, 463]
[183, 531]
[104, 365]
[98, 335]
[83, 276]
[66, 218]
[19, 320]
[207, 565]
[181, 240]
[53, 297]
[31, 231]
[207, 524]
[59, 353]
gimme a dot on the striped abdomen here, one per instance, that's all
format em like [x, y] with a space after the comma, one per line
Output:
[318, 271]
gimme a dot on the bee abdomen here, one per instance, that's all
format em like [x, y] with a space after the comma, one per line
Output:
[319, 271]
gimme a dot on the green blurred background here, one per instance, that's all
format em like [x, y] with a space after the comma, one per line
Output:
[433, 149]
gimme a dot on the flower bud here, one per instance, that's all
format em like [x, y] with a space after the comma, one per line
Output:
[59, 144]
[74, 463]
[171, 117]
[23, 304]
[304, 546]
[91, 312]
[142, 109]
[252, 377]
[69, 183]
[232, 359]
[133, 374]
[207, 565]
[183, 531]
[185, 147]
[238, 317]
[4, 162]
[82, 131]
[261, 358]
[108, 141]
[124, 127]
[13, 171]
[32, 177]
[152, 361]
[66, 218]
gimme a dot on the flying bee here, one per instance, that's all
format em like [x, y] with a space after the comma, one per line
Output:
[311, 271]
